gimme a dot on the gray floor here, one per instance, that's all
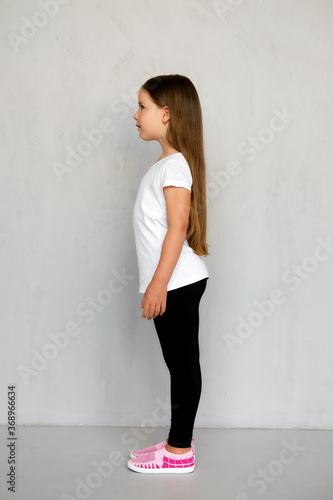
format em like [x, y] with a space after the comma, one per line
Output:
[231, 464]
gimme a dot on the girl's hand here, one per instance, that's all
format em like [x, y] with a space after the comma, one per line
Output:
[154, 300]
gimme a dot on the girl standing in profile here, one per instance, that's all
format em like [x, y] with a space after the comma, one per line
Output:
[170, 237]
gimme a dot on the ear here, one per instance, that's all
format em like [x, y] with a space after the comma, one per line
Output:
[165, 114]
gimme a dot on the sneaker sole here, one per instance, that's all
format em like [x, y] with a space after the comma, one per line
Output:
[171, 470]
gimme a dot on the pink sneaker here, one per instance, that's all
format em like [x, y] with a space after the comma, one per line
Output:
[151, 449]
[162, 461]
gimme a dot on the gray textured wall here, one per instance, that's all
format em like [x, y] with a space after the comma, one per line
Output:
[72, 337]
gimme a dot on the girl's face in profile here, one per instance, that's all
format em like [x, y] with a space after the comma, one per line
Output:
[149, 118]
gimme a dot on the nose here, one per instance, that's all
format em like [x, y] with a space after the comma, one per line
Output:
[135, 116]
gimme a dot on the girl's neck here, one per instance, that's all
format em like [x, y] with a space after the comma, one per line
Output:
[167, 151]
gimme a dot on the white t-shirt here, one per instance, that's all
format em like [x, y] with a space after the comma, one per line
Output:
[150, 224]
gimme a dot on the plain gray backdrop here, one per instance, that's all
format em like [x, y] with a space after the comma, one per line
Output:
[72, 338]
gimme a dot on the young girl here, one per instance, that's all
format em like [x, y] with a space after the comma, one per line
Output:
[170, 236]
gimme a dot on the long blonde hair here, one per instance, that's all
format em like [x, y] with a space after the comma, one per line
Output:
[185, 134]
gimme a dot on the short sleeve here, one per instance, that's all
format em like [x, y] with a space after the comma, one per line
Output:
[176, 173]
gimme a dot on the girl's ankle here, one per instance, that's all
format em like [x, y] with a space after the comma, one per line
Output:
[176, 451]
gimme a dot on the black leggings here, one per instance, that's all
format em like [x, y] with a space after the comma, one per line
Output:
[178, 332]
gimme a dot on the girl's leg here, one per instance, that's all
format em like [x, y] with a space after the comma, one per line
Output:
[178, 332]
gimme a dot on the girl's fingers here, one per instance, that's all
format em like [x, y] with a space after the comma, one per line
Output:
[154, 311]
[145, 308]
[148, 309]
[160, 310]
[157, 312]
[145, 312]
[151, 309]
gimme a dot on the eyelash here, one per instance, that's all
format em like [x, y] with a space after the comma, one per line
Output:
[142, 107]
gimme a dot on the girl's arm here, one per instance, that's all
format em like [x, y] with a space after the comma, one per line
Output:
[178, 204]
